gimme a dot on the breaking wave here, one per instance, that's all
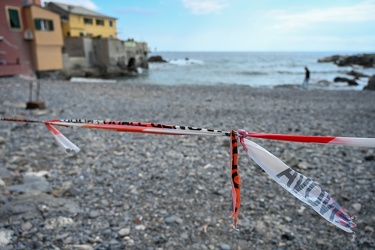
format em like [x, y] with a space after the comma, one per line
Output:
[186, 61]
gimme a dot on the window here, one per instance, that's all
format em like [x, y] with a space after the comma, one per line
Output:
[43, 24]
[100, 22]
[110, 24]
[14, 18]
[87, 21]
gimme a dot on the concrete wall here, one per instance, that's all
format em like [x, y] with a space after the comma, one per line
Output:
[76, 54]
[101, 51]
[103, 56]
[74, 47]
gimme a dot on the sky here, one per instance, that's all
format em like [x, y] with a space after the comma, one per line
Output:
[243, 25]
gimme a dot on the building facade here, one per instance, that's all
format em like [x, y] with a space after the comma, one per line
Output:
[15, 50]
[47, 41]
[77, 21]
[32, 42]
[31, 39]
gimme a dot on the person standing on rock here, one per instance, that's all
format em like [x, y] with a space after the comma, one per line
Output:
[305, 84]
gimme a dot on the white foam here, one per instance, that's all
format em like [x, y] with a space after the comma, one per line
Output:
[82, 79]
[186, 61]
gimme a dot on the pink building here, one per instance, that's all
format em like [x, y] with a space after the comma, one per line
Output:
[15, 43]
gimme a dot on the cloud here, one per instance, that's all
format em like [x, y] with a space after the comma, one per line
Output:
[361, 12]
[204, 7]
[89, 4]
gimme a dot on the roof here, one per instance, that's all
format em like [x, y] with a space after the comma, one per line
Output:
[78, 10]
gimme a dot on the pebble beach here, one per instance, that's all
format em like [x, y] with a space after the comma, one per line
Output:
[142, 191]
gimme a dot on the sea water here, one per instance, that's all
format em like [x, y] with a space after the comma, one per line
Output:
[256, 69]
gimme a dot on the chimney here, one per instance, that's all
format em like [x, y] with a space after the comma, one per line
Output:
[31, 2]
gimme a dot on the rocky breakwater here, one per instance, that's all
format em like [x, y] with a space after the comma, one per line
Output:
[363, 60]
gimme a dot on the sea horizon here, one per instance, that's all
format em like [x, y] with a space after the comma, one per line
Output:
[257, 69]
[265, 51]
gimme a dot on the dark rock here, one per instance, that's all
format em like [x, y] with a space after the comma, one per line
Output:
[287, 236]
[333, 59]
[157, 59]
[369, 158]
[35, 105]
[356, 74]
[365, 60]
[370, 84]
[343, 79]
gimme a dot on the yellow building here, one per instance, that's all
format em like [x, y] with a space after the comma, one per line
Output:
[77, 21]
[43, 30]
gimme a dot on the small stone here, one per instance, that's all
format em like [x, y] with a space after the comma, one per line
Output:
[114, 242]
[26, 226]
[184, 236]
[224, 246]
[301, 210]
[130, 242]
[169, 219]
[62, 236]
[320, 242]
[140, 227]
[43, 173]
[281, 244]
[94, 214]
[2, 183]
[2, 140]
[357, 207]
[68, 240]
[82, 247]
[287, 236]
[287, 219]
[43, 208]
[58, 222]
[303, 165]
[369, 229]
[172, 219]
[66, 188]
[5, 237]
[124, 232]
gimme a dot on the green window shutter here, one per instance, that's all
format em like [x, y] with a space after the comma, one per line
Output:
[50, 24]
[14, 18]
[37, 24]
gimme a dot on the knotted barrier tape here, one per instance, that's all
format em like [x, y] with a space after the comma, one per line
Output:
[302, 187]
